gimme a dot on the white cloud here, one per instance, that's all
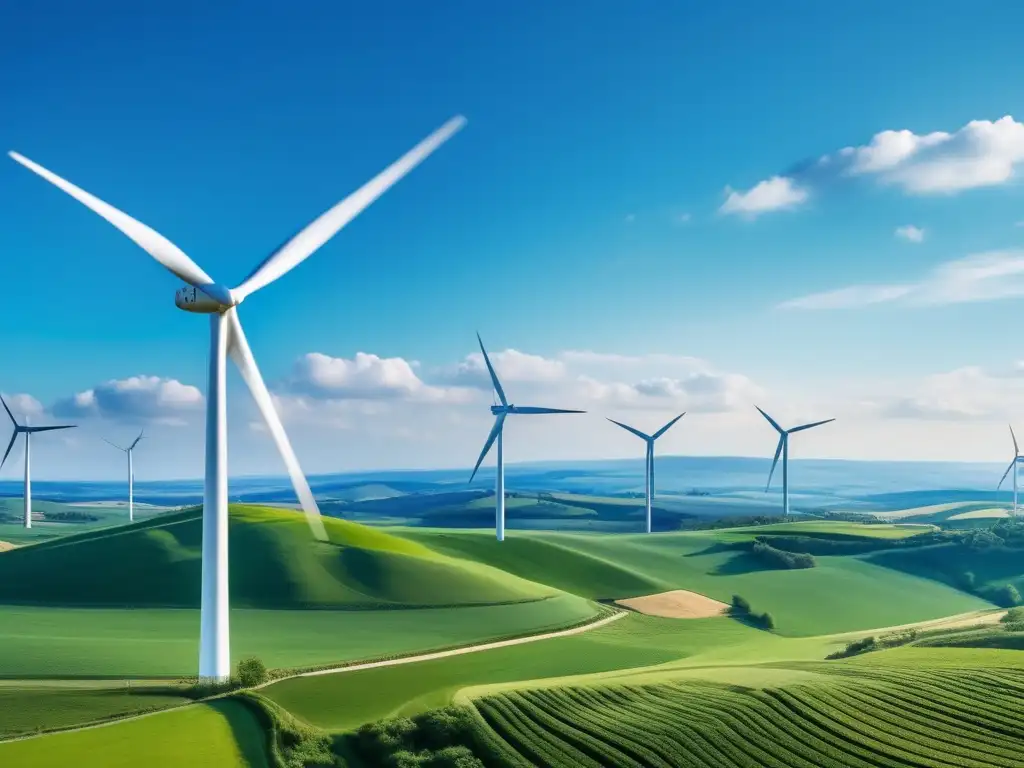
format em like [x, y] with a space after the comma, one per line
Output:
[682, 218]
[983, 153]
[978, 277]
[967, 393]
[138, 398]
[23, 407]
[511, 365]
[774, 194]
[365, 377]
[910, 233]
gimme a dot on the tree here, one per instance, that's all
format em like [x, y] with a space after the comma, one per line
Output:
[251, 671]
[740, 605]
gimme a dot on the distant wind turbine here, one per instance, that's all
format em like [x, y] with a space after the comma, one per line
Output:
[500, 412]
[28, 432]
[649, 463]
[131, 474]
[1013, 466]
[204, 296]
[783, 448]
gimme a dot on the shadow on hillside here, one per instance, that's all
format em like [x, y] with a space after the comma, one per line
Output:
[714, 549]
[742, 562]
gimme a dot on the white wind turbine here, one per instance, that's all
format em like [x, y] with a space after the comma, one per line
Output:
[1013, 466]
[500, 412]
[649, 464]
[131, 474]
[203, 295]
[28, 432]
[783, 448]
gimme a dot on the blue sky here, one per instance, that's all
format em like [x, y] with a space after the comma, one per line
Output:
[580, 209]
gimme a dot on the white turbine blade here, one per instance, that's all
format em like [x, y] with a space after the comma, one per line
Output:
[132, 446]
[775, 461]
[802, 427]
[997, 487]
[495, 431]
[490, 370]
[531, 411]
[1016, 450]
[628, 428]
[151, 241]
[668, 426]
[326, 226]
[771, 421]
[239, 350]
[8, 451]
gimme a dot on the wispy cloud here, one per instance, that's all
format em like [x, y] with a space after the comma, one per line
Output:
[910, 233]
[982, 153]
[774, 194]
[978, 277]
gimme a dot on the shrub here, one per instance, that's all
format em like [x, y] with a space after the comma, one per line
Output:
[1014, 615]
[740, 606]
[251, 672]
[765, 621]
[777, 558]
[863, 645]
[1007, 595]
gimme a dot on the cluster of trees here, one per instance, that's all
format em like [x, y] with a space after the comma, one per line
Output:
[71, 517]
[741, 609]
[779, 558]
[249, 672]
[444, 738]
[1014, 619]
[821, 545]
[701, 524]
[866, 644]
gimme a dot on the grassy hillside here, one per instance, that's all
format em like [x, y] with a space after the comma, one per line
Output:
[840, 594]
[223, 734]
[274, 563]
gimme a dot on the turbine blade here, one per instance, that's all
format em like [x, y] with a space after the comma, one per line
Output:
[628, 428]
[114, 444]
[495, 431]
[490, 370]
[1016, 450]
[326, 226]
[771, 421]
[997, 487]
[802, 427]
[50, 429]
[151, 241]
[8, 451]
[238, 348]
[668, 426]
[132, 446]
[775, 461]
[531, 411]
[13, 420]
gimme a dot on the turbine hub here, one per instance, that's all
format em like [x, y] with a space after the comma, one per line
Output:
[497, 410]
[210, 300]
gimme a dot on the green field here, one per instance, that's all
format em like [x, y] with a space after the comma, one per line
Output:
[219, 734]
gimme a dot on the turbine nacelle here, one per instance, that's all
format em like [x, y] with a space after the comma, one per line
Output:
[208, 300]
[497, 410]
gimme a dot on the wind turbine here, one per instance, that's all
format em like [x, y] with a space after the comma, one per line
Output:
[131, 474]
[28, 432]
[1013, 466]
[783, 448]
[500, 412]
[649, 463]
[204, 296]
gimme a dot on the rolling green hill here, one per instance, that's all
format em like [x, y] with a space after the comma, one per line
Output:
[274, 563]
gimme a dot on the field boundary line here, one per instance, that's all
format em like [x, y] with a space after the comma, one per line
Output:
[454, 651]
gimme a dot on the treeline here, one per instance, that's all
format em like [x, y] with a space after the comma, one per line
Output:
[867, 644]
[70, 517]
[700, 524]
[778, 558]
[444, 738]
[741, 609]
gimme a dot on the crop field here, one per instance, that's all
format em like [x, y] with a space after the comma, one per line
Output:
[882, 718]
[52, 642]
[222, 733]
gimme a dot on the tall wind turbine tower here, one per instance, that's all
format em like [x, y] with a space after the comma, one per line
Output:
[500, 412]
[204, 296]
[24, 429]
[783, 448]
[131, 474]
[649, 463]
[1013, 466]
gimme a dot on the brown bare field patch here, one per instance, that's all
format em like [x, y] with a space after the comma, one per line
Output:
[677, 604]
[6, 545]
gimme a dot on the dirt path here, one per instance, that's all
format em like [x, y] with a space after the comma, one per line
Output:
[457, 651]
[336, 670]
[974, 618]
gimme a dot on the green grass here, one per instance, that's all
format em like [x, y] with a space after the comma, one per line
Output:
[225, 734]
[840, 594]
[870, 718]
[275, 563]
[53, 643]
[25, 709]
[841, 529]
